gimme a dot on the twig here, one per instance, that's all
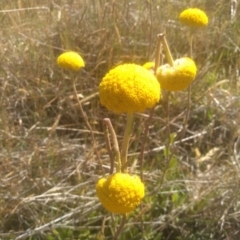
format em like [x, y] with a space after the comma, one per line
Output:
[24, 9]
[86, 99]
[158, 149]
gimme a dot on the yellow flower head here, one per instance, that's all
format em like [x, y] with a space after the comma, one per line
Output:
[129, 88]
[149, 65]
[194, 17]
[120, 193]
[177, 77]
[70, 61]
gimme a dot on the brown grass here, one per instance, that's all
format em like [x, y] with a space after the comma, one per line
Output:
[48, 166]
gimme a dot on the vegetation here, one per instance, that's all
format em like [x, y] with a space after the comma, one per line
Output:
[48, 164]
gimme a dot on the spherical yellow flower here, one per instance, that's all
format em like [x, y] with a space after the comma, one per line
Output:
[149, 65]
[70, 61]
[194, 17]
[177, 77]
[120, 193]
[129, 88]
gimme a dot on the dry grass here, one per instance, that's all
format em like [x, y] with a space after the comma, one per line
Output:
[48, 165]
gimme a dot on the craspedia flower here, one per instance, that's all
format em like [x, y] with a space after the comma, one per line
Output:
[149, 65]
[194, 17]
[129, 88]
[70, 61]
[120, 193]
[177, 77]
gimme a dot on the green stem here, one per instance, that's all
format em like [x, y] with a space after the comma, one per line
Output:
[126, 138]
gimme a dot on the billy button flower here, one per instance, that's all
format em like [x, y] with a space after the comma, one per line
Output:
[70, 61]
[149, 65]
[194, 17]
[120, 193]
[177, 77]
[129, 88]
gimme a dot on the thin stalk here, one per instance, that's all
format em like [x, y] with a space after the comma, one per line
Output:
[150, 27]
[85, 117]
[189, 93]
[148, 121]
[187, 112]
[167, 49]
[144, 139]
[126, 138]
[191, 44]
[167, 123]
[120, 228]
[168, 144]
[109, 149]
[158, 52]
[117, 161]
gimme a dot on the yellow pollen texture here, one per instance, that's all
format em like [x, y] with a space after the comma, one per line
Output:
[120, 193]
[129, 88]
[194, 17]
[70, 61]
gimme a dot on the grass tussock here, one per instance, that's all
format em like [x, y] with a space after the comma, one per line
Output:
[48, 164]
